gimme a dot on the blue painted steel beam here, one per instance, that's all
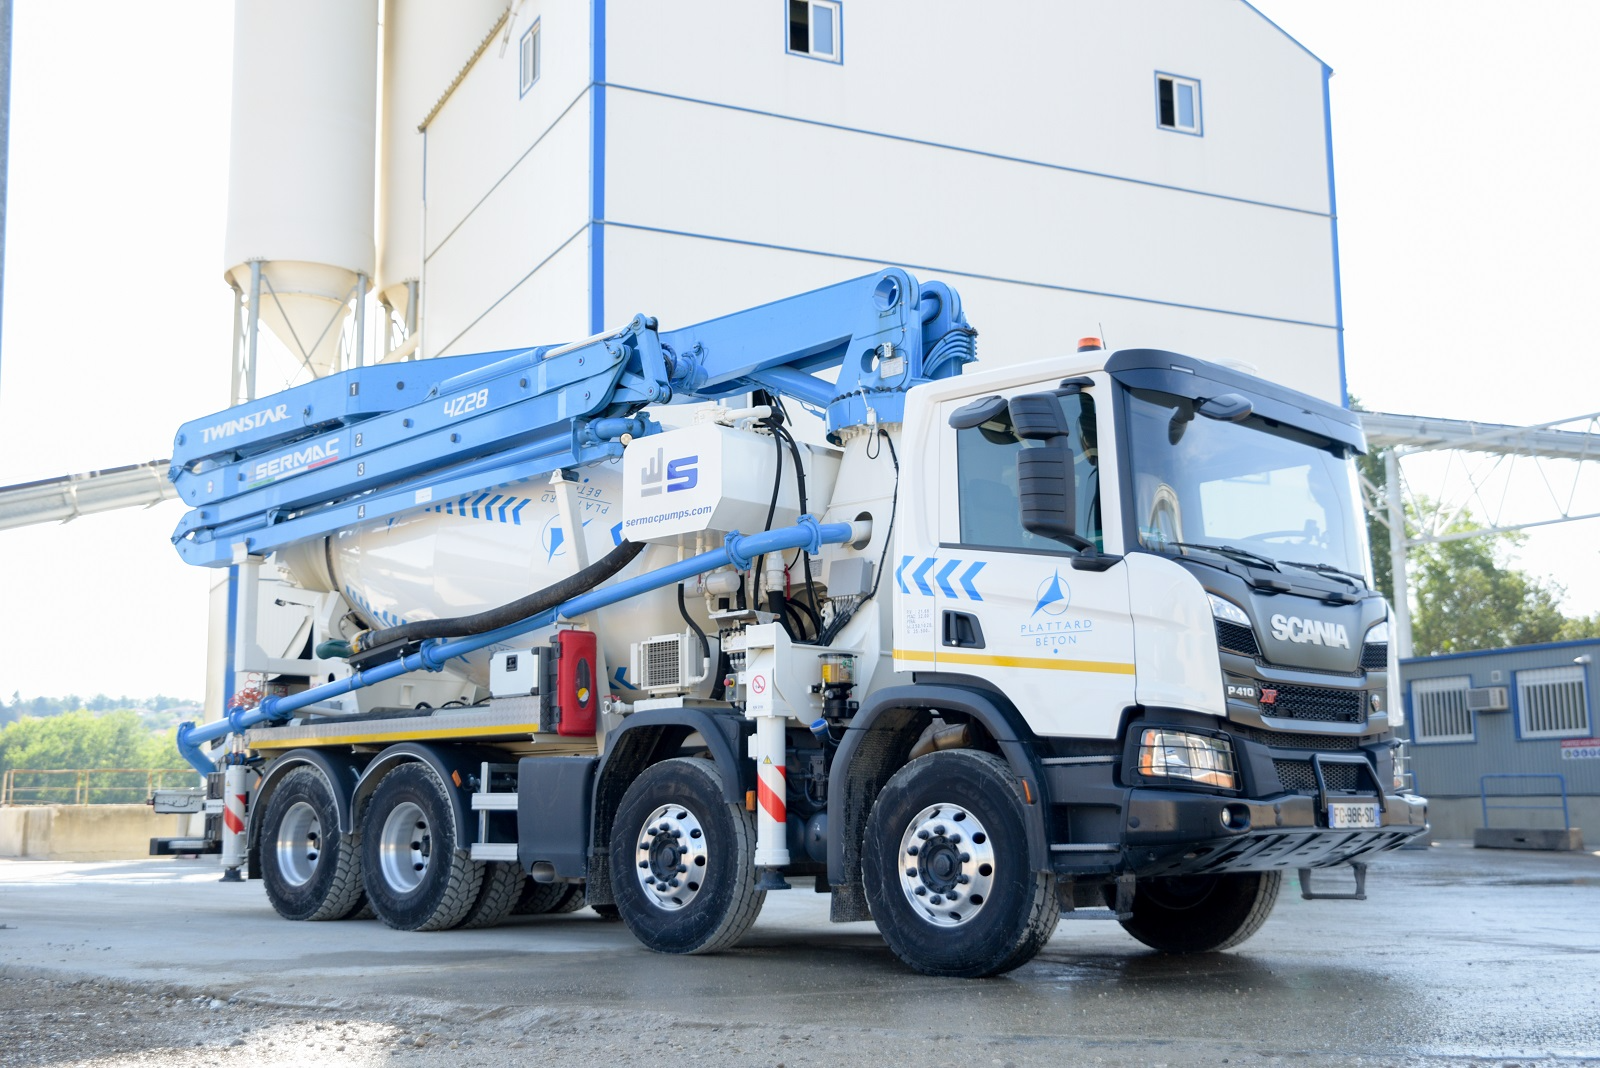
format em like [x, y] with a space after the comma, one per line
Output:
[738, 550]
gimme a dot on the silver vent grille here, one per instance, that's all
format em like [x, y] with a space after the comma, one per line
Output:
[666, 662]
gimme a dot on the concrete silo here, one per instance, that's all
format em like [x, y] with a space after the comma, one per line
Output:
[299, 243]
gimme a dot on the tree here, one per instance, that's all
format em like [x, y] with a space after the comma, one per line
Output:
[81, 739]
[1468, 597]
[84, 740]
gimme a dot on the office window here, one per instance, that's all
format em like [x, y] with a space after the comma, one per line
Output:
[528, 59]
[814, 29]
[1439, 710]
[1178, 104]
[1552, 703]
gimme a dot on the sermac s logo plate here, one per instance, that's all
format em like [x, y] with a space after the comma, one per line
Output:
[674, 475]
[1315, 631]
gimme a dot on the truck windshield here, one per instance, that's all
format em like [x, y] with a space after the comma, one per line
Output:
[1265, 490]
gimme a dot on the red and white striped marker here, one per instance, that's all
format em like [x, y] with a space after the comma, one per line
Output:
[235, 803]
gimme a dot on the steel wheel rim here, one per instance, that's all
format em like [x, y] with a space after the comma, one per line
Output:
[405, 847]
[299, 844]
[946, 865]
[671, 859]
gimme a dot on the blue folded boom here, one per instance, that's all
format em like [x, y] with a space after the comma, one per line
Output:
[378, 442]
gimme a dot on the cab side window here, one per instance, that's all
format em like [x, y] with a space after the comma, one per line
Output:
[986, 476]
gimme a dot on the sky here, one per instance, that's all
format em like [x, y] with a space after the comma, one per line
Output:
[1467, 227]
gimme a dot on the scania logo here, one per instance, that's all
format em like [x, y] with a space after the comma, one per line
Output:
[1316, 631]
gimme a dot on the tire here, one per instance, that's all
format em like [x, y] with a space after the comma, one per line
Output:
[609, 913]
[497, 896]
[683, 860]
[539, 899]
[1201, 913]
[954, 821]
[418, 876]
[311, 871]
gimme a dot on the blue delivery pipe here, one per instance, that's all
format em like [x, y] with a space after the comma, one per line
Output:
[740, 550]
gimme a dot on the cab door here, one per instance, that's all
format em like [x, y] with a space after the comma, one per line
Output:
[1009, 605]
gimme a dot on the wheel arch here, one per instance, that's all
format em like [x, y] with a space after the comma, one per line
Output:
[647, 738]
[878, 743]
[342, 772]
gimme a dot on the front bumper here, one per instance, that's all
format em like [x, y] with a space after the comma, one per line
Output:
[1179, 835]
[1154, 831]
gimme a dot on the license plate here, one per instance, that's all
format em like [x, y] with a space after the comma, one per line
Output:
[1352, 815]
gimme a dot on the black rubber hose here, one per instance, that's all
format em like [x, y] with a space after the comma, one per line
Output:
[683, 610]
[513, 611]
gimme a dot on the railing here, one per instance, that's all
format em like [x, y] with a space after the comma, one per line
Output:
[87, 786]
[1483, 795]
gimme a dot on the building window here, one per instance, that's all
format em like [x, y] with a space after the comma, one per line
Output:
[1439, 710]
[528, 59]
[814, 29]
[1552, 703]
[1178, 104]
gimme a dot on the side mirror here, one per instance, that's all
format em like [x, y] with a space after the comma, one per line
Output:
[1046, 478]
[976, 413]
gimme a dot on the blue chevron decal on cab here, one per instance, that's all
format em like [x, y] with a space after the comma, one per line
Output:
[900, 573]
[920, 575]
[944, 578]
[967, 577]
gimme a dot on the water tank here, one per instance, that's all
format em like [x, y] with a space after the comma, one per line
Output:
[426, 43]
[300, 177]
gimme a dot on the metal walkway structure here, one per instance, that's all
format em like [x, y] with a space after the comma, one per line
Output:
[1497, 477]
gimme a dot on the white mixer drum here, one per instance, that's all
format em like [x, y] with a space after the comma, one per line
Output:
[473, 553]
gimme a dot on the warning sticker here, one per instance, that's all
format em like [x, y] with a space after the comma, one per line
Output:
[1580, 749]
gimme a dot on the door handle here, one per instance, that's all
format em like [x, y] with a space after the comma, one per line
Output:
[961, 630]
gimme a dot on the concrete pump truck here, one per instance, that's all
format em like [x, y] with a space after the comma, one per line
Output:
[971, 651]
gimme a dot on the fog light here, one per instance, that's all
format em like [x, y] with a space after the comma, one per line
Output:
[1195, 758]
[1235, 817]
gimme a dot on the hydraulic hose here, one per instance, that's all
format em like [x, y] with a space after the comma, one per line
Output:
[511, 611]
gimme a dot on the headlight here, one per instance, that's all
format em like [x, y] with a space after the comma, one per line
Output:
[1191, 757]
[1379, 634]
[1227, 611]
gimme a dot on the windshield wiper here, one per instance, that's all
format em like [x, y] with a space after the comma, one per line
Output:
[1244, 555]
[1359, 581]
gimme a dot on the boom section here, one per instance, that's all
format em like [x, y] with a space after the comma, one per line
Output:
[377, 442]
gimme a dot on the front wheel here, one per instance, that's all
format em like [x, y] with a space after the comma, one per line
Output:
[946, 868]
[1201, 913]
[683, 860]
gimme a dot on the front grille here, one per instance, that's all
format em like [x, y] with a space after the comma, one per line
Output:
[1298, 776]
[1316, 703]
[1375, 656]
[1327, 743]
[1237, 639]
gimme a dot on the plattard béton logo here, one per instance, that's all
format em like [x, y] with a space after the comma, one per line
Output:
[1054, 596]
